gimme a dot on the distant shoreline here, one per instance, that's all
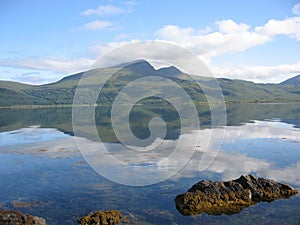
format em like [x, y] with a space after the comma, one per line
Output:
[199, 103]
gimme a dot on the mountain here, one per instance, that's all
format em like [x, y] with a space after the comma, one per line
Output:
[13, 93]
[247, 91]
[62, 91]
[170, 71]
[292, 81]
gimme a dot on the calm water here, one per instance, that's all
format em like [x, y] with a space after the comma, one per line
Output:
[41, 166]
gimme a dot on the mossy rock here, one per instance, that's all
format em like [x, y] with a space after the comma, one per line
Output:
[109, 217]
[230, 197]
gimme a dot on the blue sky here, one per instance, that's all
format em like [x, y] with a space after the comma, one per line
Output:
[43, 41]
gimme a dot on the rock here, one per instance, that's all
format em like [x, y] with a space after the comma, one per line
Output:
[230, 197]
[109, 217]
[11, 217]
[264, 190]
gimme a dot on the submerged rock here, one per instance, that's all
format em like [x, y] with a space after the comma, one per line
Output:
[109, 217]
[12, 217]
[230, 197]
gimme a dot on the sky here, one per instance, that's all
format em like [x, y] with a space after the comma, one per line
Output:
[42, 41]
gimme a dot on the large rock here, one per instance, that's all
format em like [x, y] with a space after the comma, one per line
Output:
[109, 217]
[11, 217]
[230, 197]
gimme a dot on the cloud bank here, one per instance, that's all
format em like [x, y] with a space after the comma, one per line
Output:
[229, 36]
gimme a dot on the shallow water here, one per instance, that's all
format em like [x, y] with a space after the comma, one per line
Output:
[43, 173]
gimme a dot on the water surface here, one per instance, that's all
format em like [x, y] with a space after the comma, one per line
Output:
[43, 173]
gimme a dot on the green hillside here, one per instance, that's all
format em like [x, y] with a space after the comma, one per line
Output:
[246, 91]
[62, 92]
[13, 93]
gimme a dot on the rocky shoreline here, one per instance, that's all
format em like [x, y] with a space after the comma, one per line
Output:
[230, 197]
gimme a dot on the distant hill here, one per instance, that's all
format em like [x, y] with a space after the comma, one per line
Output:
[246, 91]
[13, 93]
[292, 81]
[62, 91]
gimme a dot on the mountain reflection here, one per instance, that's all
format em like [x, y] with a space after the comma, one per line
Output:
[239, 154]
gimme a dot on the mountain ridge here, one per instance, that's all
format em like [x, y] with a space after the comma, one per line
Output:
[62, 91]
[292, 81]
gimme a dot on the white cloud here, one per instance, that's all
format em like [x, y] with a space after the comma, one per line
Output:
[65, 66]
[229, 26]
[97, 25]
[260, 74]
[289, 27]
[103, 10]
[230, 36]
[296, 9]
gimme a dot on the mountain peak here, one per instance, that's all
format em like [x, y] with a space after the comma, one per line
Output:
[140, 66]
[140, 62]
[169, 71]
